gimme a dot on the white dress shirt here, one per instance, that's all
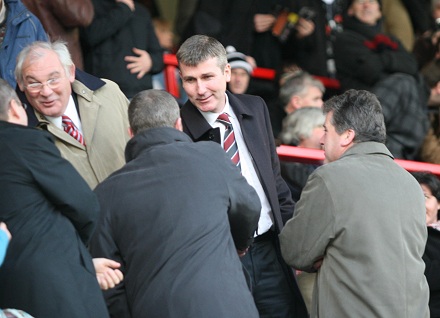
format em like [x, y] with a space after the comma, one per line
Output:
[246, 162]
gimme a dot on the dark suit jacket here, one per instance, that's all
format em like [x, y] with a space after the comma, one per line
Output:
[50, 212]
[255, 125]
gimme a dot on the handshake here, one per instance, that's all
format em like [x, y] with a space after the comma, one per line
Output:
[381, 43]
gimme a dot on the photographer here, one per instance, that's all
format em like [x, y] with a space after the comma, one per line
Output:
[314, 53]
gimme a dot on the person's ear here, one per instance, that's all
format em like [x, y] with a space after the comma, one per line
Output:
[178, 124]
[72, 73]
[16, 113]
[227, 72]
[348, 137]
[437, 88]
[130, 132]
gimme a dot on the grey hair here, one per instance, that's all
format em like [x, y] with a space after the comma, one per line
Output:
[297, 84]
[7, 94]
[200, 48]
[35, 51]
[358, 110]
[152, 108]
[299, 125]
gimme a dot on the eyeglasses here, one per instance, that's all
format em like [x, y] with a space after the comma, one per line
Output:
[36, 87]
[365, 1]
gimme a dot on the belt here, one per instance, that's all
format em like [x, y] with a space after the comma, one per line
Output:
[268, 236]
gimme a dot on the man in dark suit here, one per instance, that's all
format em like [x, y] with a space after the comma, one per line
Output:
[176, 235]
[205, 72]
[51, 214]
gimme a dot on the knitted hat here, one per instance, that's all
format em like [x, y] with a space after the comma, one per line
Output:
[237, 59]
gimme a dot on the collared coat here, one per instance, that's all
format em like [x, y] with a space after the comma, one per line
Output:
[51, 214]
[103, 110]
[365, 216]
[254, 119]
[168, 216]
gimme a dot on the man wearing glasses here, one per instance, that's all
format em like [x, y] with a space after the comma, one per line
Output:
[86, 115]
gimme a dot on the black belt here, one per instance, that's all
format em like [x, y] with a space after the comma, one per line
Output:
[268, 236]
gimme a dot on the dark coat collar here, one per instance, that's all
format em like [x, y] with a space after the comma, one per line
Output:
[196, 124]
[153, 137]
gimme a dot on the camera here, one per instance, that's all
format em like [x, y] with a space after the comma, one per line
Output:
[286, 21]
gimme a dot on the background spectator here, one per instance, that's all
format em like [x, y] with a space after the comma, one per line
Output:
[121, 45]
[431, 189]
[18, 28]
[368, 59]
[62, 19]
[241, 71]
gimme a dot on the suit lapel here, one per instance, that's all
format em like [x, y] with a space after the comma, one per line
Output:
[88, 111]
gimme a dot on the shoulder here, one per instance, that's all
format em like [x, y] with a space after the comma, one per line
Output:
[21, 139]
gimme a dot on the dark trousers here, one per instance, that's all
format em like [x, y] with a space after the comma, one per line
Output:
[275, 291]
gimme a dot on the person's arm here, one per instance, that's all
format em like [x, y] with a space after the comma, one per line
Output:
[103, 245]
[366, 62]
[287, 206]
[305, 237]
[78, 13]
[5, 237]
[151, 59]
[245, 207]
[106, 22]
[62, 185]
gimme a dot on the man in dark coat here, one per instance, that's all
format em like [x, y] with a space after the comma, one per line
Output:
[121, 45]
[367, 59]
[168, 216]
[51, 213]
[205, 72]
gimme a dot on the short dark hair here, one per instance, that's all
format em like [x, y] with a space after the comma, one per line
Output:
[430, 180]
[358, 110]
[7, 94]
[151, 109]
[200, 48]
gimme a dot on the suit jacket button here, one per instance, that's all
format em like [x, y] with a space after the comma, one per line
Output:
[211, 136]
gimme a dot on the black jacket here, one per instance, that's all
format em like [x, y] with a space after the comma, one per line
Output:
[167, 216]
[51, 213]
[114, 32]
[432, 270]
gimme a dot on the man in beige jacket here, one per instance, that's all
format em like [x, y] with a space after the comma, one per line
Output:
[87, 116]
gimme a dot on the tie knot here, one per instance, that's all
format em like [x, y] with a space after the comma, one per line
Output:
[224, 119]
[66, 120]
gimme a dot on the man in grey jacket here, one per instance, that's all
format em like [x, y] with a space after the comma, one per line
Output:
[360, 221]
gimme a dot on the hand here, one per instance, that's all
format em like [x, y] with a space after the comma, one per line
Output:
[140, 64]
[242, 253]
[107, 272]
[263, 22]
[129, 3]
[4, 228]
[304, 28]
[317, 265]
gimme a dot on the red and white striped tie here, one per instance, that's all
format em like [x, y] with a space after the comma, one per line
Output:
[229, 144]
[70, 128]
